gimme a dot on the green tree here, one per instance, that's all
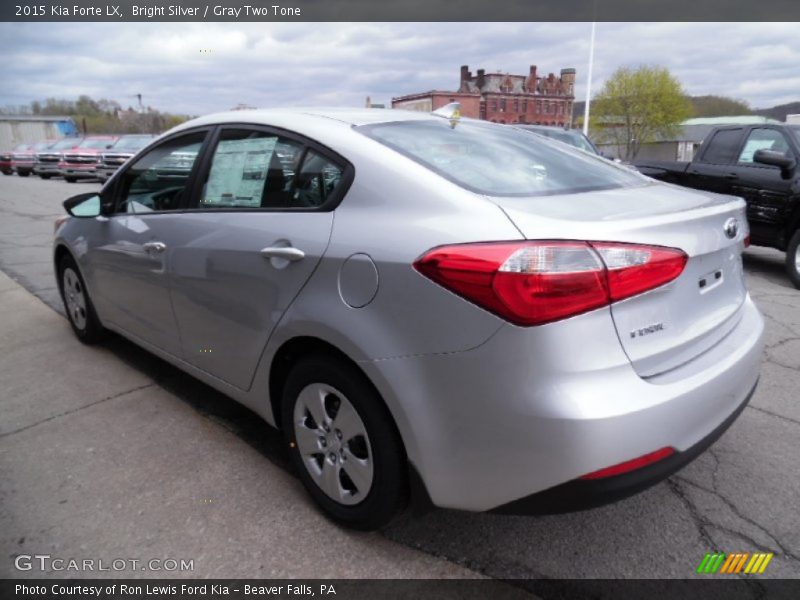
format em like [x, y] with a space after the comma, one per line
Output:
[637, 106]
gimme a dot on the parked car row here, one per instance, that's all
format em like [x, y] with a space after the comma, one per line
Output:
[73, 158]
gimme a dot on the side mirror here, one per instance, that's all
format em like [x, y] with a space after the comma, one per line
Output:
[84, 205]
[785, 162]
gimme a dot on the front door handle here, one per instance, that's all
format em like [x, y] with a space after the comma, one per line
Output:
[732, 176]
[154, 247]
[284, 252]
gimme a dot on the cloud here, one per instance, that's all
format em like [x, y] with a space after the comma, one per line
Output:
[274, 64]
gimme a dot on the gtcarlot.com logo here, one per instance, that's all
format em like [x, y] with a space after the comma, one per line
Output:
[46, 562]
[734, 563]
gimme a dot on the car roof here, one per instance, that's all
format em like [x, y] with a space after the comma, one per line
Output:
[346, 116]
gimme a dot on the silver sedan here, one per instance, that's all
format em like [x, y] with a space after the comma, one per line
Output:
[430, 308]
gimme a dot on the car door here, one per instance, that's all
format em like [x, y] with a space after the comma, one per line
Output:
[130, 261]
[713, 170]
[765, 191]
[259, 228]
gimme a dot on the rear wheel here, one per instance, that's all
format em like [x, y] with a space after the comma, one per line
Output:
[23, 173]
[343, 443]
[45, 176]
[70, 179]
[80, 311]
[793, 259]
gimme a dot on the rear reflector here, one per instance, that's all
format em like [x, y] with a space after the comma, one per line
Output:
[532, 283]
[631, 465]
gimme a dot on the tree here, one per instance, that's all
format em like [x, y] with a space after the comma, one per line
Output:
[636, 106]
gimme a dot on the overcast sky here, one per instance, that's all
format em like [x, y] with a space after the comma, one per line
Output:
[274, 64]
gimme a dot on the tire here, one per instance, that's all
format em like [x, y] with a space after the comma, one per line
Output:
[70, 179]
[77, 304]
[45, 176]
[23, 173]
[793, 259]
[366, 497]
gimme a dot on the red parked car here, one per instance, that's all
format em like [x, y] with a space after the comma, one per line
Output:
[82, 161]
[6, 159]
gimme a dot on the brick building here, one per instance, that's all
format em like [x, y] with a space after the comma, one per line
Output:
[504, 98]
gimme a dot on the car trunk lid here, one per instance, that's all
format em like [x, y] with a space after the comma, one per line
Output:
[670, 325]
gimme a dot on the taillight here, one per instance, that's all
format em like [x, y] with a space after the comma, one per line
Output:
[532, 283]
[747, 241]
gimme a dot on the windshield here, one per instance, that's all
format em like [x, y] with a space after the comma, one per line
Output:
[95, 143]
[498, 160]
[65, 143]
[133, 142]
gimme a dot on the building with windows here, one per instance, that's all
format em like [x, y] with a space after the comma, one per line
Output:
[504, 98]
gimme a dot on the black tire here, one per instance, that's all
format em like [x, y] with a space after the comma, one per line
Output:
[793, 259]
[70, 179]
[86, 325]
[23, 173]
[8, 172]
[388, 492]
[45, 176]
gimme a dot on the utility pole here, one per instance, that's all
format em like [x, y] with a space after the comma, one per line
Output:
[589, 83]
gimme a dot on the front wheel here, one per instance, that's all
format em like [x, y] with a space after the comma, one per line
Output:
[80, 310]
[343, 443]
[70, 179]
[793, 259]
[23, 173]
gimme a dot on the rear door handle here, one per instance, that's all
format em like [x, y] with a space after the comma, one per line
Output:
[154, 247]
[284, 252]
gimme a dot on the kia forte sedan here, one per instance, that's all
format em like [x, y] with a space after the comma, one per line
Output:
[431, 309]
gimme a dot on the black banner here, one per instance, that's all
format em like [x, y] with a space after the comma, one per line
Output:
[420, 589]
[405, 10]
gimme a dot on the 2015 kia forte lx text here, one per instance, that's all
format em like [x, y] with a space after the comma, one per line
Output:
[452, 311]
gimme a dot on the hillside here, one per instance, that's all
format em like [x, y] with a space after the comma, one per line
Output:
[715, 106]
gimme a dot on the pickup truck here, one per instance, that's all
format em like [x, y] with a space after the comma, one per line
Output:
[758, 163]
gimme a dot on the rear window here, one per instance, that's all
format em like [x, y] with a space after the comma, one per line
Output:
[497, 160]
[722, 147]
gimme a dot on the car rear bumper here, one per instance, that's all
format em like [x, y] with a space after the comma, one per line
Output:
[582, 494]
[534, 409]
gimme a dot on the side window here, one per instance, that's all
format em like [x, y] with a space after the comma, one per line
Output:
[722, 147]
[762, 139]
[255, 169]
[316, 181]
[251, 169]
[159, 179]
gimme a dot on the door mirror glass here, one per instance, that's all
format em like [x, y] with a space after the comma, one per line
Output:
[84, 205]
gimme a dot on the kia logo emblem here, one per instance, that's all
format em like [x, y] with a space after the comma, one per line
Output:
[731, 228]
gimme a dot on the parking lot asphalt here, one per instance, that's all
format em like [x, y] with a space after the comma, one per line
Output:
[110, 450]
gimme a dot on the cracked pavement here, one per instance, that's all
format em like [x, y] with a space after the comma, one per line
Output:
[740, 496]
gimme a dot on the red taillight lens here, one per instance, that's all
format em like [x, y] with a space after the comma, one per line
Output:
[532, 283]
[631, 465]
[747, 241]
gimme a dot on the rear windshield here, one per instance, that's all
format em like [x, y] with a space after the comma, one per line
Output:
[498, 160]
